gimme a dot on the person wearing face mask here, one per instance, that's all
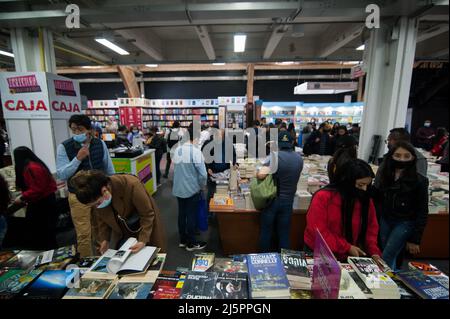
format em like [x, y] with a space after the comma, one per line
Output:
[403, 203]
[345, 214]
[319, 142]
[79, 153]
[121, 208]
[400, 134]
[424, 136]
[134, 133]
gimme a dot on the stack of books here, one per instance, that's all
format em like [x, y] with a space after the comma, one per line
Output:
[380, 284]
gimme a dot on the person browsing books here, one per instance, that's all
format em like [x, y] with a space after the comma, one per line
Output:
[404, 203]
[81, 152]
[38, 188]
[121, 208]
[344, 213]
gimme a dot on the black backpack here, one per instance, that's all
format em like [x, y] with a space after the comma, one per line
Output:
[172, 142]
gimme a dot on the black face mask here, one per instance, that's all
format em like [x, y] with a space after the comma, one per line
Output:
[401, 164]
[361, 194]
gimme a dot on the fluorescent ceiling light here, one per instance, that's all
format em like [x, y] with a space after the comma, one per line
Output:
[92, 66]
[7, 53]
[152, 65]
[325, 87]
[353, 62]
[219, 63]
[239, 42]
[112, 46]
[286, 62]
[361, 47]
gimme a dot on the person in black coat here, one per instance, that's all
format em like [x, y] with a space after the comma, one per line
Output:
[319, 142]
[403, 202]
[158, 143]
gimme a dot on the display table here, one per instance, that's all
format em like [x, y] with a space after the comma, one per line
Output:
[239, 233]
[142, 166]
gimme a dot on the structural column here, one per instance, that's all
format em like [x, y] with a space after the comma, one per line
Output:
[389, 63]
[43, 127]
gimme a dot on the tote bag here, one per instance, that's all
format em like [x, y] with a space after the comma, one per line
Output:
[263, 191]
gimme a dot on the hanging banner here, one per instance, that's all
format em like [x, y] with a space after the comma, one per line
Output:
[357, 71]
[24, 95]
[64, 96]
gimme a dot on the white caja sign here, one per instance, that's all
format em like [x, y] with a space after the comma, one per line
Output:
[64, 96]
[38, 95]
[24, 95]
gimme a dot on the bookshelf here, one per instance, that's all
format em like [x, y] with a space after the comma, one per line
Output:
[101, 110]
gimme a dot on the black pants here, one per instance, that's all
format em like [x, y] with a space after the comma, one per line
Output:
[158, 158]
[211, 190]
[168, 163]
[41, 218]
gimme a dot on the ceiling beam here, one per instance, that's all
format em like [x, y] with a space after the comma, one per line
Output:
[83, 48]
[149, 43]
[129, 81]
[341, 40]
[205, 39]
[275, 38]
[210, 67]
[432, 32]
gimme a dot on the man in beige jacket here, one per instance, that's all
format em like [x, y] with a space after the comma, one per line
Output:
[116, 201]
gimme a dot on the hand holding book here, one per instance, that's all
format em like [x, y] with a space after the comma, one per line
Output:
[137, 247]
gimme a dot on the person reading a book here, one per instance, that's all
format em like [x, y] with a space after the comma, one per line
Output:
[403, 203]
[344, 213]
[121, 208]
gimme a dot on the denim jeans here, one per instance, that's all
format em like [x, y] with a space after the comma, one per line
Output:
[393, 237]
[279, 213]
[3, 229]
[187, 218]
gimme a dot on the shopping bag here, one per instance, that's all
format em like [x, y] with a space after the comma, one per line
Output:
[263, 191]
[202, 215]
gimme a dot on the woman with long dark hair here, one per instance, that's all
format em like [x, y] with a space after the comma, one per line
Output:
[346, 150]
[293, 133]
[344, 213]
[38, 188]
[5, 198]
[403, 203]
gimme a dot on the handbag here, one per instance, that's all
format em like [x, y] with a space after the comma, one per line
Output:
[263, 192]
[130, 227]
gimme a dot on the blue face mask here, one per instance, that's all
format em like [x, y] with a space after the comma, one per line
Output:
[105, 203]
[80, 138]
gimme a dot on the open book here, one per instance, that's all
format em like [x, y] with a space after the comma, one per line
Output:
[123, 261]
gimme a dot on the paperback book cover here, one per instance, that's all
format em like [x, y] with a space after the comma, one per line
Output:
[13, 281]
[91, 288]
[87, 262]
[424, 286]
[51, 284]
[199, 285]
[25, 259]
[56, 255]
[231, 286]
[296, 267]
[168, 285]
[203, 261]
[131, 290]
[229, 265]
[267, 276]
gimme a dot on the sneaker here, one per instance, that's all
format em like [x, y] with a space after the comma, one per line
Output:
[182, 245]
[197, 246]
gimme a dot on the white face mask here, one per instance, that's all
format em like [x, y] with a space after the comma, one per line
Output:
[427, 124]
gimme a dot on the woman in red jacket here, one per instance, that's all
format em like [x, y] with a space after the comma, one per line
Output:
[38, 188]
[440, 139]
[344, 214]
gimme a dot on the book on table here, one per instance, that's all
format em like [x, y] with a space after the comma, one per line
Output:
[199, 285]
[51, 284]
[13, 281]
[267, 277]
[92, 288]
[56, 255]
[202, 261]
[424, 286]
[123, 262]
[296, 268]
[231, 286]
[168, 285]
[229, 265]
[25, 259]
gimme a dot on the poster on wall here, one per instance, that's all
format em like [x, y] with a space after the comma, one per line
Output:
[64, 96]
[24, 95]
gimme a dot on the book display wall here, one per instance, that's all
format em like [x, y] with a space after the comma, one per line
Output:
[146, 113]
[301, 113]
[101, 110]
